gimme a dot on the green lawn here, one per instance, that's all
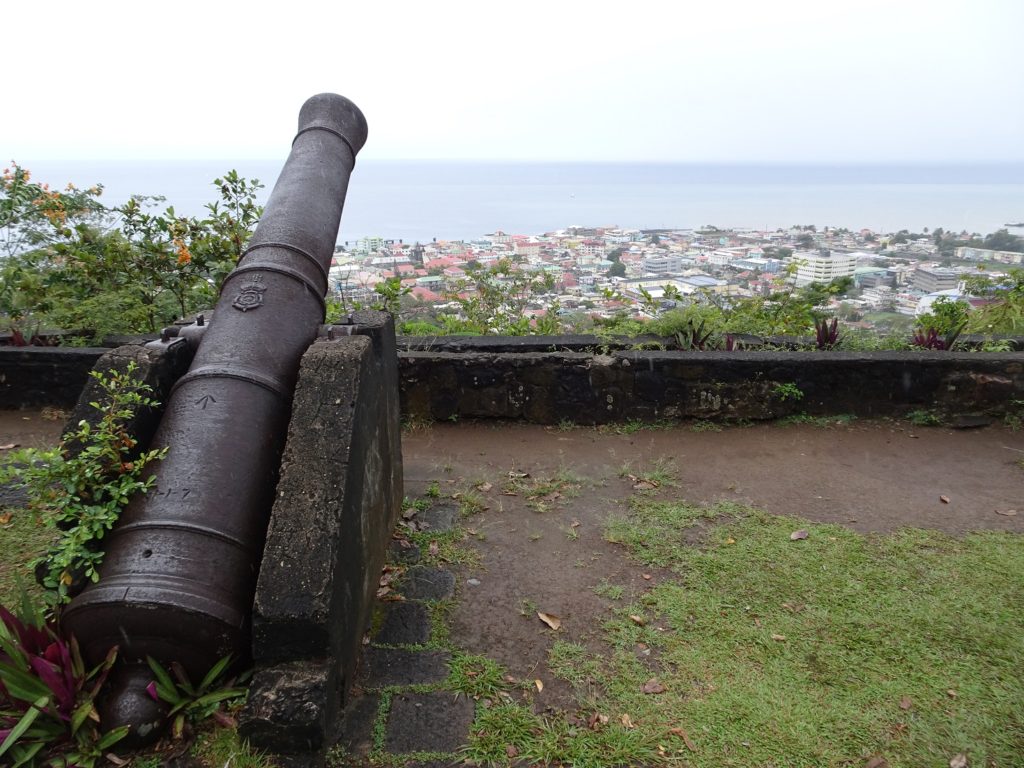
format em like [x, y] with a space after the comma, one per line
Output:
[761, 650]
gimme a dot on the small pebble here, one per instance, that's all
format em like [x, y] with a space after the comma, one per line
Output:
[474, 582]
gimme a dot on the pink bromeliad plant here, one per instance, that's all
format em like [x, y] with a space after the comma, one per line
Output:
[48, 717]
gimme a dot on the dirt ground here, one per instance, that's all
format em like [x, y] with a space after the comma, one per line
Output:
[31, 429]
[870, 476]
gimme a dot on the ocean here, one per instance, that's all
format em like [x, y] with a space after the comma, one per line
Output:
[424, 200]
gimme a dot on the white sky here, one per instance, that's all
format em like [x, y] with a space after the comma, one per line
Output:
[672, 80]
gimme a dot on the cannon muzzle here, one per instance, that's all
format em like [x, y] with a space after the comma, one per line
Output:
[180, 569]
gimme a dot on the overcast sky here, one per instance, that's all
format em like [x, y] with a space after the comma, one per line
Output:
[673, 80]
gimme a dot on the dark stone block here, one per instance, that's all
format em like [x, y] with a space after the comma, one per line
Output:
[428, 722]
[397, 666]
[291, 707]
[425, 583]
[12, 496]
[405, 624]
[357, 722]
[439, 518]
[399, 554]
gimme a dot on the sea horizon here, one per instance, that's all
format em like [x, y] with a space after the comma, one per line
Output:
[422, 200]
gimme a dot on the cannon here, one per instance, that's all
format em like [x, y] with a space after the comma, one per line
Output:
[180, 569]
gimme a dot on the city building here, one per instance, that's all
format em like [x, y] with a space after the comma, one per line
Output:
[930, 279]
[823, 268]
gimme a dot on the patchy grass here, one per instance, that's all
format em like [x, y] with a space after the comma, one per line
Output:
[608, 590]
[924, 418]
[824, 422]
[544, 493]
[475, 676]
[661, 474]
[221, 747]
[633, 426]
[412, 425]
[511, 731]
[23, 538]
[823, 651]
[703, 425]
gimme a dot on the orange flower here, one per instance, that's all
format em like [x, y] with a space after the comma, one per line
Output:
[184, 255]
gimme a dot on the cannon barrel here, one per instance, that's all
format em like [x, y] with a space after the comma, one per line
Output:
[180, 568]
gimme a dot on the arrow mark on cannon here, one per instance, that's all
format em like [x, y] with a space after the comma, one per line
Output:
[205, 400]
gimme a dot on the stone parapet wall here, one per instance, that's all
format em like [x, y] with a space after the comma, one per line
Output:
[550, 379]
[588, 388]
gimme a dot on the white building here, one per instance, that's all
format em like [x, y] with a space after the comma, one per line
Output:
[816, 268]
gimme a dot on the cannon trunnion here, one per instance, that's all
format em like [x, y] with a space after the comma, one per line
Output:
[180, 569]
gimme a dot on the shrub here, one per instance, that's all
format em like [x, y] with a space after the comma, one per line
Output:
[80, 488]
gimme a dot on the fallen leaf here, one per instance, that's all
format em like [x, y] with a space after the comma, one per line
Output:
[653, 686]
[779, 638]
[632, 617]
[511, 751]
[627, 721]
[507, 492]
[757, 622]
[484, 487]
[409, 514]
[540, 684]
[1007, 512]
[509, 679]
[120, 761]
[550, 619]
[575, 523]
[645, 576]
[944, 499]
[951, 693]
[958, 761]
[906, 703]
[595, 720]
[797, 535]
[383, 591]
[645, 485]
[5, 518]
[730, 541]
[433, 549]
[8, 446]
[513, 475]
[877, 762]
[685, 737]
[793, 607]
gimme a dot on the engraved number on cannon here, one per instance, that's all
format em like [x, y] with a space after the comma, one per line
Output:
[167, 493]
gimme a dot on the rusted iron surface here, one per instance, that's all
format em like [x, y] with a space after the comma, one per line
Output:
[180, 570]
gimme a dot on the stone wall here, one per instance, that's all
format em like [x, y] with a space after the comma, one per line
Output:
[546, 387]
[32, 377]
[582, 379]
